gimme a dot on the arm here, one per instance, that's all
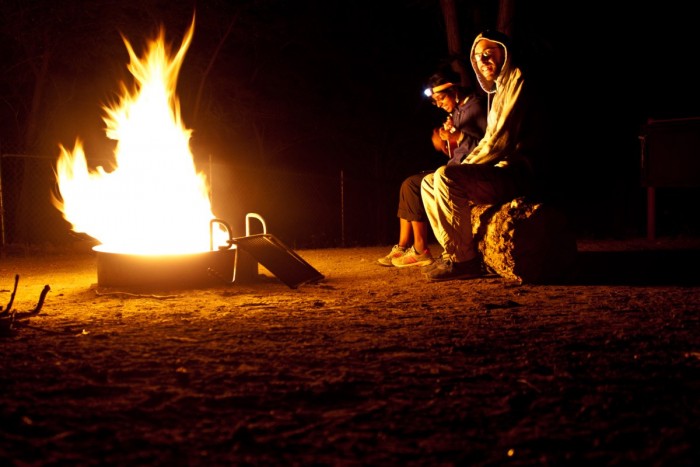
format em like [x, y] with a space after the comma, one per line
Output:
[470, 122]
[502, 137]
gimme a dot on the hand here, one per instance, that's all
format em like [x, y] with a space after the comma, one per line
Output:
[445, 134]
[438, 141]
[444, 141]
[449, 125]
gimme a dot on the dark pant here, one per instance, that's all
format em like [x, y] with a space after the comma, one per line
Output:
[410, 201]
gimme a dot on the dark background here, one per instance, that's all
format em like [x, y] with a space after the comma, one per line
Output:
[310, 112]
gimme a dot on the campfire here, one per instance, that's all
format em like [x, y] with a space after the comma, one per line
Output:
[154, 205]
[154, 201]
[152, 213]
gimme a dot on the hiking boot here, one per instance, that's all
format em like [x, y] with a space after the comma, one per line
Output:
[446, 270]
[397, 251]
[413, 258]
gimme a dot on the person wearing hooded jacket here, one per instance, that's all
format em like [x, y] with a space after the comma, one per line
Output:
[501, 167]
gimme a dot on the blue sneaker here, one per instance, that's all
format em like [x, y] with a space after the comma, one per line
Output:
[447, 270]
[429, 267]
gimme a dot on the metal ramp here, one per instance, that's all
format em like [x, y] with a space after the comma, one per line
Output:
[274, 255]
[280, 260]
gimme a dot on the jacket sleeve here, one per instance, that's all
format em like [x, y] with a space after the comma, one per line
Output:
[502, 132]
[471, 124]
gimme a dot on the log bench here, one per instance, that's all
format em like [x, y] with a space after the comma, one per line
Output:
[525, 241]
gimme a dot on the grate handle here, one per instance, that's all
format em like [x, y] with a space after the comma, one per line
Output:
[247, 223]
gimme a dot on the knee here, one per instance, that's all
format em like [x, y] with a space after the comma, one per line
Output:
[427, 183]
[440, 176]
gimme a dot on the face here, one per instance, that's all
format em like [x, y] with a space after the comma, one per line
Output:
[445, 100]
[489, 58]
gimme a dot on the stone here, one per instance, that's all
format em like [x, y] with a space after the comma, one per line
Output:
[525, 241]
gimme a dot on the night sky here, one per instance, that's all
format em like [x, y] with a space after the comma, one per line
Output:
[315, 88]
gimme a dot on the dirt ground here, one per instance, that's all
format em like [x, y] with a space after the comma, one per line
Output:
[369, 366]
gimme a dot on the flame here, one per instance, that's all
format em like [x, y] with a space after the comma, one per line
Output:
[154, 201]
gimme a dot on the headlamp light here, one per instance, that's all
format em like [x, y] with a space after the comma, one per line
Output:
[430, 91]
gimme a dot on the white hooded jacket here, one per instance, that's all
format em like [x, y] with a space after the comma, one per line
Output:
[510, 139]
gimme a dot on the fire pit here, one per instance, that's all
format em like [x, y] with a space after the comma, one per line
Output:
[235, 262]
[224, 264]
[150, 212]
[183, 270]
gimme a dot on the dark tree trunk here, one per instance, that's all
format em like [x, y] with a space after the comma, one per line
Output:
[454, 41]
[506, 9]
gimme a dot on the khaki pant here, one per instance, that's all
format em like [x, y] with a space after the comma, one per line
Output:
[449, 193]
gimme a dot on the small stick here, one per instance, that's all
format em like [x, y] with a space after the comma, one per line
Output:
[12, 297]
[129, 294]
[37, 309]
[16, 316]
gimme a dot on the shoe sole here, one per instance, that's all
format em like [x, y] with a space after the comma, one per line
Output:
[425, 262]
[427, 268]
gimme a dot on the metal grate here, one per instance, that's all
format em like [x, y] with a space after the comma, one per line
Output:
[280, 260]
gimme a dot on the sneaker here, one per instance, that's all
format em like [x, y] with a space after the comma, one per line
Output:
[397, 251]
[413, 258]
[446, 270]
[429, 267]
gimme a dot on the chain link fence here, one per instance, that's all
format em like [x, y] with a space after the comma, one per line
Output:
[303, 209]
[28, 216]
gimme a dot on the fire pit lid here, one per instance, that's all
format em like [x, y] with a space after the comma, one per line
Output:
[280, 260]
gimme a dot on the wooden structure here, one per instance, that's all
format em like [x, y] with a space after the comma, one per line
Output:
[670, 157]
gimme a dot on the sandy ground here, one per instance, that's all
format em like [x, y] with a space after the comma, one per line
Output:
[369, 366]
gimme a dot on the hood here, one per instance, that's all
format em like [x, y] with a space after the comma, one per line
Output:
[489, 86]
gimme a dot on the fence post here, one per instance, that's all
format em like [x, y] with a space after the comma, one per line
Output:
[2, 211]
[342, 209]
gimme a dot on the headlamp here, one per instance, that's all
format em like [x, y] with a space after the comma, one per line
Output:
[430, 91]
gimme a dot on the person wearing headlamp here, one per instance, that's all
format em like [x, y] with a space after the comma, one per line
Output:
[456, 137]
[466, 118]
